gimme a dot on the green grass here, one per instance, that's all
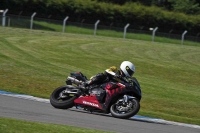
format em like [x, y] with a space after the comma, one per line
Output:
[8, 125]
[109, 33]
[36, 62]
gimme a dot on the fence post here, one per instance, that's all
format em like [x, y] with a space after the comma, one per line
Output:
[183, 36]
[64, 23]
[95, 27]
[31, 26]
[125, 30]
[19, 14]
[4, 17]
[82, 22]
[8, 21]
[153, 34]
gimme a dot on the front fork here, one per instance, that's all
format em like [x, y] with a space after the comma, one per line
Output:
[123, 105]
[126, 98]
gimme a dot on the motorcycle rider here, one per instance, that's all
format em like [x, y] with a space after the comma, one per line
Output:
[126, 70]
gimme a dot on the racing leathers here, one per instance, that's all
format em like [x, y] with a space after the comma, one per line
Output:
[111, 73]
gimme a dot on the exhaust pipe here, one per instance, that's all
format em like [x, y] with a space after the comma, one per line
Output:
[75, 81]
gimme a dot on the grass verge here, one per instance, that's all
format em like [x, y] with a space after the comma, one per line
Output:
[8, 125]
[116, 33]
[36, 62]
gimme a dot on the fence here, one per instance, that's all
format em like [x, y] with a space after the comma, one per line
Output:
[33, 22]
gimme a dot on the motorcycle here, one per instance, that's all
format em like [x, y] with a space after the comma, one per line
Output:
[120, 99]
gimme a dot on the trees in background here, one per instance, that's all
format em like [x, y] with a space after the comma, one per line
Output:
[117, 12]
[184, 6]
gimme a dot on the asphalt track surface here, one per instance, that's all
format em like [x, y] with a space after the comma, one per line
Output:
[37, 111]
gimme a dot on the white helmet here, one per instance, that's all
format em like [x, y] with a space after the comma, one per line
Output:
[127, 68]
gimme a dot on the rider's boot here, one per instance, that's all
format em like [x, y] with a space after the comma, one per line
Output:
[84, 87]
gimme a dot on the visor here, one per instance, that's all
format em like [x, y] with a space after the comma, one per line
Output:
[129, 71]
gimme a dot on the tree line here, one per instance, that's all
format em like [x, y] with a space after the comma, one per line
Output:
[178, 15]
[185, 6]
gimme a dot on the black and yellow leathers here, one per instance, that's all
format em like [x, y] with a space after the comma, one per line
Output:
[111, 73]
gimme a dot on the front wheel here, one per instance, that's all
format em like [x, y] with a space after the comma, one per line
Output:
[59, 99]
[125, 110]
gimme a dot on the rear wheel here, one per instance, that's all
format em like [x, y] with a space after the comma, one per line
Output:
[125, 110]
[60, 99]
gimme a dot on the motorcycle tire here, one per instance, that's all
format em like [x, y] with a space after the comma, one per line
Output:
[64, 103]
[124, 115]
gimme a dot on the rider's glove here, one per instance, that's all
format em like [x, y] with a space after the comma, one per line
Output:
[83, 87]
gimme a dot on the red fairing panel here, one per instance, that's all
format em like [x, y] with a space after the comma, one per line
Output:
[112, 90]
[89, 101]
